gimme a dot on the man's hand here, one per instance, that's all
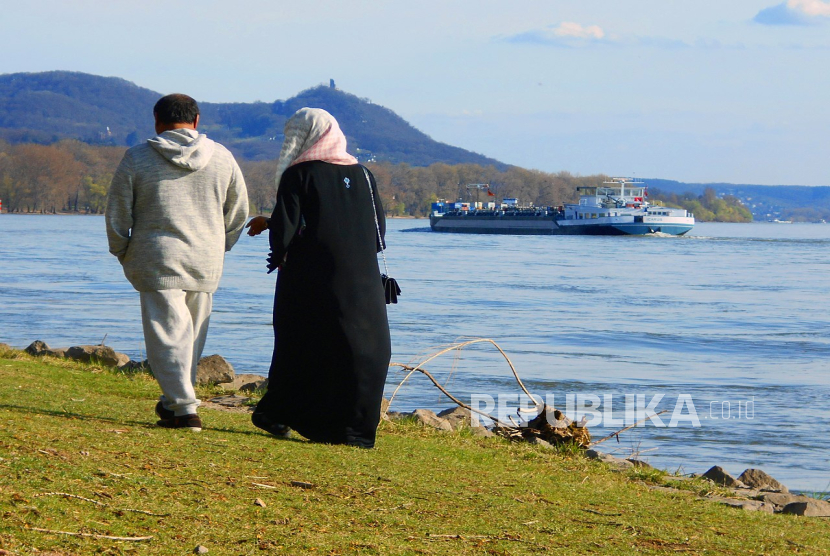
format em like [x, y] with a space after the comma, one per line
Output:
[257, 225]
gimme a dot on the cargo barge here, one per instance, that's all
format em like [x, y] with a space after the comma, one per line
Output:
[617, 207]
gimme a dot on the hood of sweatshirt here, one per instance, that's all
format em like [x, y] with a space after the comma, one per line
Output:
[186, 148]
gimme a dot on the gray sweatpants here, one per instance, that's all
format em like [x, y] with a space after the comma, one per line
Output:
[175, 328]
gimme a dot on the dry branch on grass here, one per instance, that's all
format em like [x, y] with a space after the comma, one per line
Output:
[91, 535]
[97, 503]
[561, 431]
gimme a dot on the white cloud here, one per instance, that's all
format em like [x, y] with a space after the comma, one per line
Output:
[566, 33]
[794, 12]
[812, 8]
[570, 29]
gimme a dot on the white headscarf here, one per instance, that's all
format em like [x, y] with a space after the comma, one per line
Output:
[312, 134]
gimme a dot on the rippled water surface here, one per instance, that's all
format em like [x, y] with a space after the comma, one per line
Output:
[734, 316]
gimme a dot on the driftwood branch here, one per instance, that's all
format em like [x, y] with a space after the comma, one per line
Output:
[512, 430]
[460, 346]
[509, 430]
[444, 391]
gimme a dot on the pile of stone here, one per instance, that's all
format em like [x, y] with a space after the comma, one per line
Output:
[538, 431]
[753, 490]
[455, 419]
[103, 355]
[213, 369]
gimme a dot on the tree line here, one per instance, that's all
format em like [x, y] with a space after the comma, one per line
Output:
[410, 190]
[707, 207]
[72, 176]
[68, 176]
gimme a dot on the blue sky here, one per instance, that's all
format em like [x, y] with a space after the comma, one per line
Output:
[702, 91]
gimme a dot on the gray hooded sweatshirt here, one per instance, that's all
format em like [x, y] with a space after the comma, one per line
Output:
[176, 204]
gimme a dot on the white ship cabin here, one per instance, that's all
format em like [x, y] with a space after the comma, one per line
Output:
[619, 198]
[615, 193]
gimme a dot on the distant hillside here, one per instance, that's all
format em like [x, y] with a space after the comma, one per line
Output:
[767, 202]
[46, 107]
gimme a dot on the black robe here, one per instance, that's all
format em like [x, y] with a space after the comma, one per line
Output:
[332, 346]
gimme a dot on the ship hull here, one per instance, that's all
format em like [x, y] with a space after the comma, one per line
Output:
[626, 229]
[494, 225]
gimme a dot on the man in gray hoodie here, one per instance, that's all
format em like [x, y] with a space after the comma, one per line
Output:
[177, 203]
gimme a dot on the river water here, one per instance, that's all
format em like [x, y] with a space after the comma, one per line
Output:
[726, 328]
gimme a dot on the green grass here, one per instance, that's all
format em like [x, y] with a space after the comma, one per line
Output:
[74, 429]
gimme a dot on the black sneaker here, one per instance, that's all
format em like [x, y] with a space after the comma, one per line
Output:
[191, 422]
[262, 422]
[164, 413]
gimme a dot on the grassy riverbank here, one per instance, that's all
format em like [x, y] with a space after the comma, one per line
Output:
[71, 429]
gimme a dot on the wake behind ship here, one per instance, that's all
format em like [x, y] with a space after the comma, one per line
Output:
[617, 207]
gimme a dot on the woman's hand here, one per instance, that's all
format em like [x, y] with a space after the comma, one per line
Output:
[257, 225]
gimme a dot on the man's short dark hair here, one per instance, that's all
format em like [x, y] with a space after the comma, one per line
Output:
[176, 109]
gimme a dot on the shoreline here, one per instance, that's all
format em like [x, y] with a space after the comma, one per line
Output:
[754, 490]
[62, 213]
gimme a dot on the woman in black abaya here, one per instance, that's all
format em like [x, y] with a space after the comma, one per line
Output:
[331, 347]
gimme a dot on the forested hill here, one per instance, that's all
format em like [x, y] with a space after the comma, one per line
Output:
[50, 106]
[46, 107]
